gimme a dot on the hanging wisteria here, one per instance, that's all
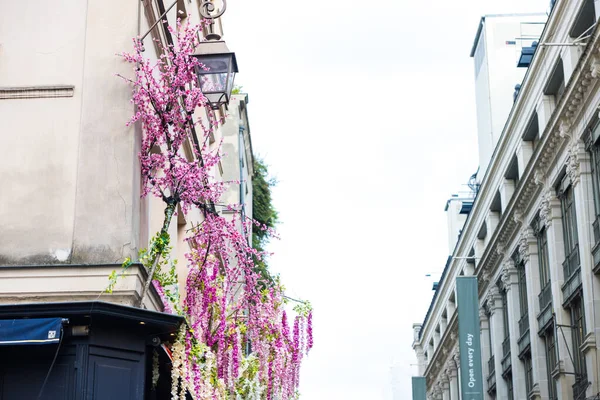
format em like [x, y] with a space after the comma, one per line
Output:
[237, 342]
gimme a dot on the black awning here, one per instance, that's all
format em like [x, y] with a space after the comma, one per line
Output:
[30, 331]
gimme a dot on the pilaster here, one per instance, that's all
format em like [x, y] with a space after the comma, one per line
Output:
[484, 326]
[494, 301]
[529, 254]
[579, 170]
[452, 373]
[550, 214]
[510, 280]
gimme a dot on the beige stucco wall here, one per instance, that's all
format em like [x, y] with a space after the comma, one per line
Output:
[70, 189]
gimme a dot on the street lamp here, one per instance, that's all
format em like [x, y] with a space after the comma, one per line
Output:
[216, 71]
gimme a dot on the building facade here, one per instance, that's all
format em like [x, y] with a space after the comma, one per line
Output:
[71, 209]
[532, 237]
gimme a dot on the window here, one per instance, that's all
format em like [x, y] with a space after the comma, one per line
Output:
[522, 288]
[556, 84]
[509, 387]
[585, 20]
[569, 215]
[545, 296]
[528, 373]
[523, 306]
[595, 164]
[505, 313]
[577, 334]
[550, 350]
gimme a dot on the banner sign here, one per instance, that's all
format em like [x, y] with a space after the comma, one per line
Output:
[419, 388]
[467, 305]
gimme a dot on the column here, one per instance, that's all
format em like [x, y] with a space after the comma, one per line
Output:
[510, 281]
[456, 357]
[452, 373]
[445, 385]
[529, 254]
[579, 170]
[497, 331]
[550, 214]
[485, 344]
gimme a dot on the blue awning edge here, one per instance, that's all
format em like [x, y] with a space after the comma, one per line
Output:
[30, 331]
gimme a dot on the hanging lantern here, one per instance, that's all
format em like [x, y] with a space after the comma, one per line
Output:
[216, 72]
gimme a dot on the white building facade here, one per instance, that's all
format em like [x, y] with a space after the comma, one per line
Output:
[532, 237]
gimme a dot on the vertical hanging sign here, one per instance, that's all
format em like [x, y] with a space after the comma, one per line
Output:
[419, 388]
[471, 377]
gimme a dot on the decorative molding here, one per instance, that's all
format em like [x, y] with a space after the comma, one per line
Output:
[573, 164]
[36, 92]
[518, 217]
[523, 247]
[508, 271]
[482, 314]
[451, 366]
[500, 248]
[539, 177]
[545, 217]
[589, 342]
[595, 68]
[564, 128]
[493, 299]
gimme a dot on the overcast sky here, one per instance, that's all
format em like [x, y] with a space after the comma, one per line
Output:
[365, 113]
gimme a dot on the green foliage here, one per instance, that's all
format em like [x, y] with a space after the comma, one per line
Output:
[237, 89]
[263, 212]
[114, 276]
[303, 308]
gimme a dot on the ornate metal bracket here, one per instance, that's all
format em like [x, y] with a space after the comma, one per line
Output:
[207, 9]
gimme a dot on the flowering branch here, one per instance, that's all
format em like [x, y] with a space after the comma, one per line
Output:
[237, 341]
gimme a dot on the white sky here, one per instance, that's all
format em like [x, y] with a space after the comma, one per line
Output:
[366, 115]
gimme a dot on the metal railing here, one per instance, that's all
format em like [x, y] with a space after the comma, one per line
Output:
[571, 286]
[524, 324]
[580, 387]
[492, 365]
[571, 263]
[491, 378]
[545, 296]
[524, 341]
[506, 360]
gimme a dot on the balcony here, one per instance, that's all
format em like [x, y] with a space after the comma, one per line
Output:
[596, 248]
[506, 361]
[545, 299]
[491, 379]
[580, 387]
[524, 340]
[571, 263]
[571, 287]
